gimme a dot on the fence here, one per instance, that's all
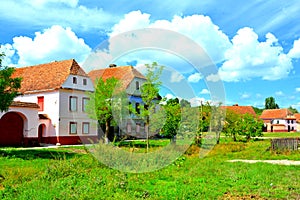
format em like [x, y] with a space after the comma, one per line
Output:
[285, 144]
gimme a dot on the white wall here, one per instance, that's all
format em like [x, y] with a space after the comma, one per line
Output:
[30, 117]
[79, 85]
[79, 116]
[51, 107]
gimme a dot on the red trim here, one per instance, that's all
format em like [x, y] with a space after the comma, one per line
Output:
[70, 140]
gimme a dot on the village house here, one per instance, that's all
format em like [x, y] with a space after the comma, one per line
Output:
[297, 116]
[131, 81]
[279, 120]
[51, 108]
[241, 110]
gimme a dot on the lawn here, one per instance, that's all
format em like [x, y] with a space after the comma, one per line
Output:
[72, 173]
[282, 134]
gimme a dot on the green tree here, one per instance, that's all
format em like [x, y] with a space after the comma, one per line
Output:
[150, 95]
[270, 103]
[100, 105]
[172, 119]
[293, 110]
[185, 103]
[8, 86]
[250, 126]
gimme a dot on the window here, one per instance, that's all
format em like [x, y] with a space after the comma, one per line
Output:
[288, 121]
[138, 127]
[41, 103]
[277, 121]
[73, 128]
[84, 103]
[84, 81]
[292, 121]
[85, 128]
[74, 80]
[73, 103]
[137, 85]
[137, 108]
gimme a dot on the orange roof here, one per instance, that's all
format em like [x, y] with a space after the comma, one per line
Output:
[49, 76]
[123, 73]
[297, 115]
[241, 109]
[277, 114]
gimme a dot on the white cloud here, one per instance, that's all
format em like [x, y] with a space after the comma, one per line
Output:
[279, 93]
[9, 52]
[55, 43]
[213, 78]
[45, 13]
[297, 89]
[295, 51]
[245, 96]
[194, 78]
[248, 58]
[197, 101]
[204, 91]
[199, 28]
[176, 77]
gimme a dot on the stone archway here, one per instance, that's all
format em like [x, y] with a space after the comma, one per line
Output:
[11, 129]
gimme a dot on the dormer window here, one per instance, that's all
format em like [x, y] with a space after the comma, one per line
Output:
[84, 81]
[137, 85]
[74, 80]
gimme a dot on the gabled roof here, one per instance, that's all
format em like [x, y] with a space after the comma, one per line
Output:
[241, 109]
[48, 76]
[123, 73]
[276, 114]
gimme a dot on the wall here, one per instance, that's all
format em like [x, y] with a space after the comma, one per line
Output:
[30, 117]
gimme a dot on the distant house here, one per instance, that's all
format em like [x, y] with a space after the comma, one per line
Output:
[131, 81]
[19, 125]
[60, 90]
[297, 115]
[279, 120]
[241, 110]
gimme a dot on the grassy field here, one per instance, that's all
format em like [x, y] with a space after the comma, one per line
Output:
[282, 134]
[72, 173]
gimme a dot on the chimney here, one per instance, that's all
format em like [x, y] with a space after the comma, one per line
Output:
[112, 65]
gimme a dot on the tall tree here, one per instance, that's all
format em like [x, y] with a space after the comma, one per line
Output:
[100, 105]
[8, 86]
[270, 103]
[293, 110]
[150, 94]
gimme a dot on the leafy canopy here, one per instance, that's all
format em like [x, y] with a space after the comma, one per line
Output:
[8, 86]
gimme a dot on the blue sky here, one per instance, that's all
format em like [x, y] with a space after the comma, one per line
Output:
[255, 45]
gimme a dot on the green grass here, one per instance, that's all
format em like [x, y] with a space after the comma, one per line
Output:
[282, 134]
[71, 173]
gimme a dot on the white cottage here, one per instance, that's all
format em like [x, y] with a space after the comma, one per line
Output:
[60, 89]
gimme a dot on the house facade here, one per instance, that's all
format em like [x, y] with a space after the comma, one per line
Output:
[279, 120]
[60, 89]
[131, 81]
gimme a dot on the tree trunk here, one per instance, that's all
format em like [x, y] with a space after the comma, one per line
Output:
[107, 125]
[147, 135]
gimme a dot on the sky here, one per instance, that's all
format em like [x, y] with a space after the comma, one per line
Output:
[253, 46]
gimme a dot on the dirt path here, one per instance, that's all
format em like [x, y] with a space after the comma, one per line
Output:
[277, 162]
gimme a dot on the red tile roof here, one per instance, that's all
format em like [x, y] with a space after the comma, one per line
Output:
[49, 76]
[297, 115]
[24, 104]
[277, 114]
[123, 73]
[241, 109]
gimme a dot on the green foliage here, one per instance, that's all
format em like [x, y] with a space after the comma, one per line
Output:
[293, 110]
[258, 111]
[242, 125]
[185, 103]
[173, 117]
[270, 103]
[8, 86]
[100, 105]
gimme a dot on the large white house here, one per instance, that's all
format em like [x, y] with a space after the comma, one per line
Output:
[60, 89]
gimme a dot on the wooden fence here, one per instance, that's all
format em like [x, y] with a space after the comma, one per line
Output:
[285, 144]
